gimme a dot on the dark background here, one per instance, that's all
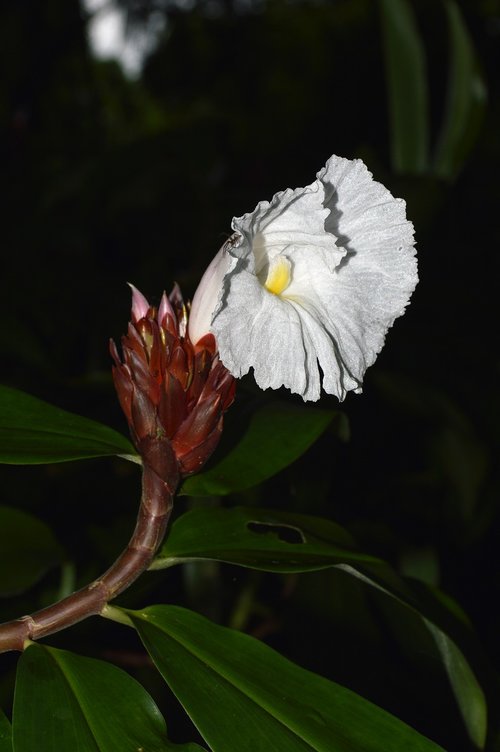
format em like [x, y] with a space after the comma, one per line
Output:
[108, 180]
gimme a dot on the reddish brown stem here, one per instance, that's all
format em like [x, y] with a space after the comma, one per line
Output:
[152, 520]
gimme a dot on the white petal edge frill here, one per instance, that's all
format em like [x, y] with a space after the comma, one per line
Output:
[353, 269]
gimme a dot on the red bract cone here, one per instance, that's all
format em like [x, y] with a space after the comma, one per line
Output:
[173, 393]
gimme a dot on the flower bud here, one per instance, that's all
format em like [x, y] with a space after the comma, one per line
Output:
[207, 296]
[173, 394]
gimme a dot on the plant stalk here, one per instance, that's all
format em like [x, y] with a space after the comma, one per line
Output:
[154, 512]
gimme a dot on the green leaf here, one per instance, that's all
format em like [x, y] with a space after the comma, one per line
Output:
[466, 99]
[235, 687]
[277, 435]
[283, 542]
[66, 702]
[466, 688]
[27, 550]
[259, 539]
[33, 432]
[464, 684]
[5, 733]
[406, 87]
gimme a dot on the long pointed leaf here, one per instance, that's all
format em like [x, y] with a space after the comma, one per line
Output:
[277, 435]
[464, 684]
[466, 100]
[27, 549]
[406, 87]
[260, 539]
[66, 702]
[283, 542]
[5, 733]
[243, 695]
[33, 432]
[469, 695]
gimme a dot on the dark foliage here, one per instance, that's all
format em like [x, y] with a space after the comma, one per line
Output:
[108, 180]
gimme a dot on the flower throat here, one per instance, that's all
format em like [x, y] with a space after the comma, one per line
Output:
[279, 275]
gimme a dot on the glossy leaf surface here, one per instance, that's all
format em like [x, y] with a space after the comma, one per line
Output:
[5, 733]
[64, 701]
[406, 87]
[466, 98]
[27, 549]
[259, 539]
[276, 436]
[32, 432]
[283, 542]
[236, 688]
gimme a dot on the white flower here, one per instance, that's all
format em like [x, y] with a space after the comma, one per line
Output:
[311, 280]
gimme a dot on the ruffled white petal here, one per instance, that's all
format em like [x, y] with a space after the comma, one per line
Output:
[294, 218]
[373, 285]
[346, 252]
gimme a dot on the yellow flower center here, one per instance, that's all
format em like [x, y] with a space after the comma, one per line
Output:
[279, 275]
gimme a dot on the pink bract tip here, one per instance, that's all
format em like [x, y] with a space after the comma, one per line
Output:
[177, 302]
[140, 305]
[165, 309]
